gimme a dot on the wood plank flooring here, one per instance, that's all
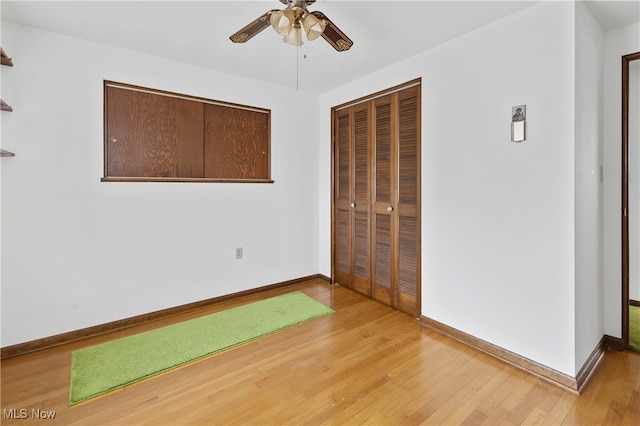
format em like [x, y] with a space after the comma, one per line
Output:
[366, 364]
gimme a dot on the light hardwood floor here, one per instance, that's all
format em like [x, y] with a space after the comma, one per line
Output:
[365, 364]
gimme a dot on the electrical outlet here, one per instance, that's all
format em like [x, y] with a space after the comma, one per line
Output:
[238, 252]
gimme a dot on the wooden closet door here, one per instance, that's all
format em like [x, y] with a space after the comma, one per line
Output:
[236, 143]
[342, 262]
[408, 264]
[150, 135]
[352, 205]
[377, 198]
[361, 203]
[383, 229]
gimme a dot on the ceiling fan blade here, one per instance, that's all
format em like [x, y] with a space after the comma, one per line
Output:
[334, 36]
[255, 27]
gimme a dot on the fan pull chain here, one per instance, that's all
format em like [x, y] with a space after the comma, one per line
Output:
[297, 67]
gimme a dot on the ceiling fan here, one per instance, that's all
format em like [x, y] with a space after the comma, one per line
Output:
[289, 23]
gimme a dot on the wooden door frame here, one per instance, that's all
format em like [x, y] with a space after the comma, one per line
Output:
[394, 89]
[626, 59]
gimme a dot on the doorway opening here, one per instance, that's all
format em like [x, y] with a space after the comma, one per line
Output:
[630, 212]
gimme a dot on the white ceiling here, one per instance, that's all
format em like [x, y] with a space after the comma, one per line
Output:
[197, 32]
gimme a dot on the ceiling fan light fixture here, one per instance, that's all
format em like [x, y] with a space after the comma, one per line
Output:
[282, 21]
[313, 26]
[294, 37]
[290, 22]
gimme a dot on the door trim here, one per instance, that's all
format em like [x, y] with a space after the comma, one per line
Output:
[624, 217]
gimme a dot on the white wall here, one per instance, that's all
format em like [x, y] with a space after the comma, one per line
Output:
[588, 198]
[497, 217]
[77, 252]
[616, 44]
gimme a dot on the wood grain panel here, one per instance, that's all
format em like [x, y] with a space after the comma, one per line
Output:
[149, 135]
[236, 143]
[383, 150]
[361, 154]
[408, 147]
[361, 249]
[408, 249]
[407, 255]
[158, 136]
[384, 178]
[382, 257]
[342, 235]
[361, 196]
[343, 246]
[361, 245]
[342, 157]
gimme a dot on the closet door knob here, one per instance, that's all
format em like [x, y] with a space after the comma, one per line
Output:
[353, 205]
[389, 209]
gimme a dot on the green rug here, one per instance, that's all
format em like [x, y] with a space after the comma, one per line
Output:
[113, 365]
[634, 327]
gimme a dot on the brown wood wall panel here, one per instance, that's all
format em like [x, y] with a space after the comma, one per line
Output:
[236, 145]
[150, 135]
[153, 135]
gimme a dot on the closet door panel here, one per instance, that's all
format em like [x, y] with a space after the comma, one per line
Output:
[343, 248]
[406, 291]
[342, 159]
[236, 143]
[408, 200]
[382, 259]
[408, 149]
[342, 193]
[361, 253]
[383, 150]
[383, 232]
[361, 198]
[152, 135]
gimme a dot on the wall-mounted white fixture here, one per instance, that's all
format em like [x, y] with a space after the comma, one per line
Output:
[518, 123]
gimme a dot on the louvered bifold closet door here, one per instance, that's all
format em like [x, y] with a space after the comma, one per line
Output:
[352, 159]
[361, 197]
[376, 228]
[406, 296]
[383, 231]
[342, 199]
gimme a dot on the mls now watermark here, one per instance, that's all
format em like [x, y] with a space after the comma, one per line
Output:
[23, 413]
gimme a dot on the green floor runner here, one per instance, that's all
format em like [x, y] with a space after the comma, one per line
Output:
[103, 368]
[634, 327]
